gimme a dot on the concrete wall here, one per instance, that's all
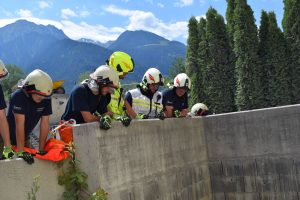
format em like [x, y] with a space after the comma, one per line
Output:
[255, 155]
[248, 155]
[146, 161]
[239, 156]
[16, 179]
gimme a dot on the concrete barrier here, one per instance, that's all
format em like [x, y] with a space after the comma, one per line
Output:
[149, 160]
[16, 179]
[247, 155]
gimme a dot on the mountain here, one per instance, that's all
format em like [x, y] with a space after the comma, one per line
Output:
[149, 49]
[105, 45]
[32, 46]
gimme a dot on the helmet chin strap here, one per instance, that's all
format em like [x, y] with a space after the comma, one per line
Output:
[94, 87]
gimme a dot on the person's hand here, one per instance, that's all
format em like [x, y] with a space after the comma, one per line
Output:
[42, 152]
[7, 153]
[125, 120]
[105, 122]
[161, 115]
[27, 157]
[141, 116]
[177, 113]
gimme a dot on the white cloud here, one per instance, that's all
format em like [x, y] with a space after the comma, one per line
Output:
[142, 20]
[24, 13]
[43, 4]
[84, 13]
[75, 31]
[160, 5]
[67, 12]
[183, 3]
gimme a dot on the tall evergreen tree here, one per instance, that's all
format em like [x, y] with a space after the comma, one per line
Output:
[262, 53]
[192, 56]
[249, 73]
[230, 32]
[218, 73]
[202, 62]
[277, 65]
[291, 26]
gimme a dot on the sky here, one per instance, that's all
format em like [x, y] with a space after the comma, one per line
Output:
[105, 20]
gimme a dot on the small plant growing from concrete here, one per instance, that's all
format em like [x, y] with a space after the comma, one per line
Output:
[34, 189]
[75, 180]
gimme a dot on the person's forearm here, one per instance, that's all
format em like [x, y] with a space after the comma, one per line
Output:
[129, 110]
[4, 129]
[169, 112]
[92, 118]
[44, 130]
[20, 136]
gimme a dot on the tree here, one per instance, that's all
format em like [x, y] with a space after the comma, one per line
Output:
[273, 55]
[9, 84]
[177, 67]
[199, 76]
[83, 76]
[291, 26]
[192, 57]
[248, 72]
[218, 70]
[262, 53]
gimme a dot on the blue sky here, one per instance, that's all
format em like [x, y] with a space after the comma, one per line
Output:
[104, 20]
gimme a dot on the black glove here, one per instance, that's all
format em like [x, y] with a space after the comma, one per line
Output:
[42, 152]
[161, 115]
[105, 122]
[27, 157]
[125, 120]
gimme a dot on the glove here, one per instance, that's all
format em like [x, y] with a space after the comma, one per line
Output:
[125, 120]
[8, 153]
[27, 157]
[141, 116]
[42, 152]
[177, 113]
[105, 122]
[161, 115]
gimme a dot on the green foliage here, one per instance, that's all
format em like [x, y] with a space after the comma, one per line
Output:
[218, 74]
[74, 180]
[274, 56]
[178, 66]
[192, 67]
[291, 25]
[34, 189]
[83, 76]
[248, 71]
[100, 194]
[9, 83]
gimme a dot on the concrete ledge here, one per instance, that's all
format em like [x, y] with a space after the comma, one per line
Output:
[16, 179]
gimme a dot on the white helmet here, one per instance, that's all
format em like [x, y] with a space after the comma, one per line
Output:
[38, 82]
[105, 75]
[198, 108]
[182, 80]
[3, 70]
[153, 76]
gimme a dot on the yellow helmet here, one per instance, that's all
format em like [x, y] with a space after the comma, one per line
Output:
[121, 62]
[3, 70]
[38, 82]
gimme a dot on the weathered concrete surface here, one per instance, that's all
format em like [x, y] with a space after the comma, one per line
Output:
[255, 155]
[149, 160]
[16, 179]
[248, 155]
